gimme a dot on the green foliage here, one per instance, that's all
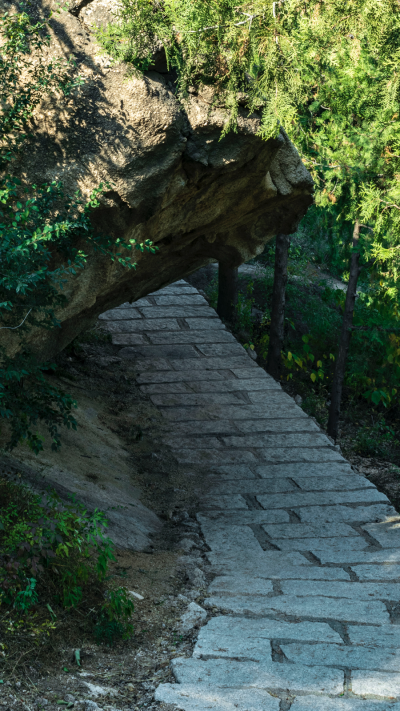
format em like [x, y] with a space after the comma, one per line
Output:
[37, 222]
[245, 303]
[113, 622]
[376, 441]
[52, 553]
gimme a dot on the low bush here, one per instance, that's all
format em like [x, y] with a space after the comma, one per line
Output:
[54, 557]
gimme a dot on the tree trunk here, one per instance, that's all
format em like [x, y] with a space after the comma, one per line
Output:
[227, 291]
[340, 365]
[277, 328]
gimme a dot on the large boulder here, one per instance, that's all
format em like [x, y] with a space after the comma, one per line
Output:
[198, 198]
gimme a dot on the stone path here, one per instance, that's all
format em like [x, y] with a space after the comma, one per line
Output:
[305, 551]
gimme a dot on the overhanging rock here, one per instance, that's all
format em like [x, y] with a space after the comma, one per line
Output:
[198, 198]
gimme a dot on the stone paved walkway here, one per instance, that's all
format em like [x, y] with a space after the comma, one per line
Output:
[305, 551]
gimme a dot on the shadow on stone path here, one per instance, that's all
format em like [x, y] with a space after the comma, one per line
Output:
[304, 550]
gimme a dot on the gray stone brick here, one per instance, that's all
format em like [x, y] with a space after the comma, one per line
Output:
[220, 350]
[247, 517]
[304, 530]
[236, 638]
[314, 607]
[195, 337]
[385, 571]
[350, 514]
[389, 555]
[243, 585]
[223, 412]
[197, 697]
[120, 315]
[173, 376]
[254, 564]
[301, 498]
[201, 324]
[174, 290]
[352, 590]
[322, 703]
[299, 469]
[212, 363]
[282, 425]
[203, 428]
[374, 683]
[152, 364]
[267, 675]
[142, 324]
[233, 385]
[138, 302]
[246, 373]
[387, 533]
[321, 544]
[203, 312]
[195, 399]
[135, 352]
[256, 398]
[158, 388]
[303, 440]
[230, 538]
[339, 483]
[209, 456]
[205, 442]
[254, 486]
[297, 454]
[383, 636]
[180, 300]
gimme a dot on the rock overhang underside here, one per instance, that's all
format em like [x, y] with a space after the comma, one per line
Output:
[172, 179]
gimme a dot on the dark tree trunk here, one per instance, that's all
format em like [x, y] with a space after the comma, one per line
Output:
[277, 328]
[340, 365]
[227, 291]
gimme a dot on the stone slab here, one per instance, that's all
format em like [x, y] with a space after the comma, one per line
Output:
[234, 385]
[319, 703]
[374, 683]
[204, 427]
[345, 482]
[195, 337]
[225, 473]
[299, 469]
[242, 585]
[352, 590]
[305, 439]
[304, 530]
[220, 350]
[281, 425]
[210, 456]
[120, 314]
[197, 697]
[212, 363]
[226, 539]
[266, 675]
[344, 656]
[201, 324]
[152, 364]
[247, 373]
[387, 533]
[246, 517]
[350, 514]
[298, 454]
[263, 564]
[139, 302]
[321, 544]
[260, 397]
[173, 376]
[386, 571]
[142, 324]
[224, 412]
[195, 399]
[180, 300]
[371, 636]
[254, 486]
[250, 639]
[388, 555]
[203, 312]
[147, 351]
[302, 498]
[317, 608]
[173, 289]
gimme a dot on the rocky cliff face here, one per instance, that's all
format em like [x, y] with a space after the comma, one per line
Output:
[198, 198]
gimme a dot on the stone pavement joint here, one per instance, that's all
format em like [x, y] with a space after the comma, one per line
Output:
[304, 551]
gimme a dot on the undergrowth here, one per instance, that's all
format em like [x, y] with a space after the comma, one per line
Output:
[54, 560]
